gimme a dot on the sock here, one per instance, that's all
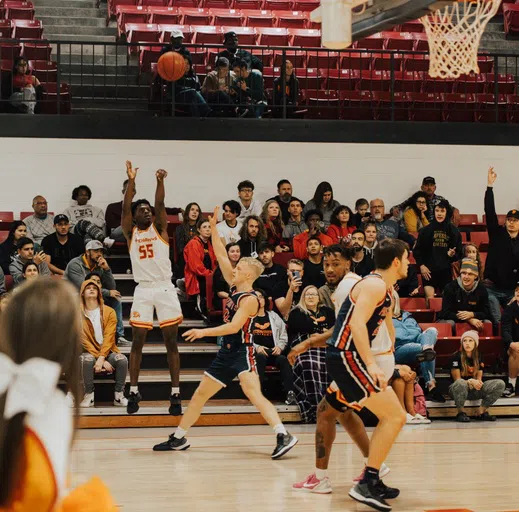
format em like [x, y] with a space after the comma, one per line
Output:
[512, 380]
[179, 433]
[175, 391]
[321, 473]
[280, 429]
[134, 389]
[119, 394]
[370, 475]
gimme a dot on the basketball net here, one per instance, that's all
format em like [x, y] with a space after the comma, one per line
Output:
[454, 34]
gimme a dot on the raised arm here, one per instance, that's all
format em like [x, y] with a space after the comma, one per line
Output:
[490, 206]
[161, 217]
[127, 218]
[219, 248]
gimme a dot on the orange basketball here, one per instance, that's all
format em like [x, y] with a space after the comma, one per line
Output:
[171, 66]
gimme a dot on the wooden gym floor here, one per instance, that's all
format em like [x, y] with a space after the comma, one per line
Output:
[443, 466]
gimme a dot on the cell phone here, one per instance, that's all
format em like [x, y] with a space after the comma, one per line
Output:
[296, 274]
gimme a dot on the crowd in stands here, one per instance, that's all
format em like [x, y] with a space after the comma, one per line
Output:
[306, 249]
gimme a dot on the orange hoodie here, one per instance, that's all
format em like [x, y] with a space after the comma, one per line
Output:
[108, 324]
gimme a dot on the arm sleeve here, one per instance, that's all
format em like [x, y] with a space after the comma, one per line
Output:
[507, 322]
[44, 269]
[75, 275]
[108, 282]
[449, 308]
[299, 247]
[194, 260]
[484, 307]
[410, 221]
[281, 330]
[490, 211]
[108, 332]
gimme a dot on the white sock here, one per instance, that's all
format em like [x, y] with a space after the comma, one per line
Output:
[179, 433]
[175, 391]
[119, 394]
[280, 429]
[512, 380]
[134, 389]
[320, 473]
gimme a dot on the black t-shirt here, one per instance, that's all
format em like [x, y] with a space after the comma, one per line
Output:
[270, 277]
[302, 325]
[281, 290]
[208, 264]
[313, 274]
[61, 254]
[262, 331]
[364, 267]
[456, 365]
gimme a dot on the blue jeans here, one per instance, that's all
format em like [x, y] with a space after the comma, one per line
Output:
[195, 101]
[118, 307]
[406, 353]
[498, 298]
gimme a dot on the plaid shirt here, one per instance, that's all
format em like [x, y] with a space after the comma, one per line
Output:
[38, 229]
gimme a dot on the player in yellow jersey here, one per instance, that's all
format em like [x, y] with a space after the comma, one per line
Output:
[149, 254]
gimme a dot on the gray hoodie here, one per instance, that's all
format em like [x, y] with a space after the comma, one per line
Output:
[77, 269]
[94, 214]
[16, 269]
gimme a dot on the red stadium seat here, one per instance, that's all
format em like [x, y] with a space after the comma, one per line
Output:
[459, 107]
[486, 63]
[408, 81]
[305, 37]
[273, 36]
[154, 3]
[355, 60]
[269, 74]
[16, 10]
[421, 42]
[306, 5]
[34, 51]
[401, 41]
[468, 219]
[246, 35]
[374, 80]
[160, 15]
[185, 3]
[373, 42]
[480, 238]
[511, 18]
[113, 4]
[130, 14]
[9, 283]
[504, 84]
[9, 51]
[357, 105]
[278, 5]
[27, 29]
[416, 63]
[296, 57]
[6, 65]
[7, 216]
[412, 26]
[141, 33]
[501, 217]
[248, 4]
[291, 19]
[192, 16]
[392, 107]
[216, 4]
[282, 258]
[444, 330]
[257, 18]
[436, 85]
[199, 55]
[474, 84]
[265, 55]
[207, 35]
[228, 17]
[426, 106]
[463, 327]
[44, 71]
[3, 236]
[322, 104]
[388, 61]
[342, 79]
[309, 78]
[148, 56]
[418, 308]
[49, 103]
[165, 32]
[323, 60]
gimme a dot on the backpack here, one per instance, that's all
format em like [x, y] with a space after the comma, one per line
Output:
[419, 400]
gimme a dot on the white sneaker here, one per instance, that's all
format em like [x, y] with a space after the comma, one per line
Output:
[120, 400]
[410, 420]
[69, 397]
[421, 419]
[314, 485]
[88, 400]
[384, 471]
[108, 242]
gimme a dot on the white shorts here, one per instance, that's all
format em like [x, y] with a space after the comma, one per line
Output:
[159, 296]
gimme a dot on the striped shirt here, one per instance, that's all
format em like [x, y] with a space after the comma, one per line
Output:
[244, 335]
[38, 229]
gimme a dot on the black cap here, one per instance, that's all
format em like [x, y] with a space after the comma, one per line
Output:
[61, 218]
[428, 180]
[229, 34]
[514, 214]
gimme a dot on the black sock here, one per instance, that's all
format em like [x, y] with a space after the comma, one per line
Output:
[370, 475]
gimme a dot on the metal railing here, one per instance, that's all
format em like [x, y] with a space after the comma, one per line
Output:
[354, 84]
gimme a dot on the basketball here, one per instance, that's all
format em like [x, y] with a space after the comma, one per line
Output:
[171, 66]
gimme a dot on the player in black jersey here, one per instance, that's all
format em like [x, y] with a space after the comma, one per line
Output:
[236, 357]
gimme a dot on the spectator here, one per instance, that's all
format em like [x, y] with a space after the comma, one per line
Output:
[341, 225]
[39, 224]
[8, 248]
[249, 205]
[270, 340]
[61, 246]
[248, 84]
[408, 287]
[429, 187]
[370, 232]
[232, 52]
[288, 95]
[502, 265]
[314, 221]
[336, 263]
[387, 227]
[187, 92]
[25, 90]
[403, 383]
[437, 247]
[100, 353]
[295, 224]
[229, 228]
[200, 262]
[271, 217]
[361, 263]
[412, 345]
[467, 380]
[3, 289]
[324, 202]
[361, 212]
[284, 199]
[252, 235]
[288, 293]
[273, 273]
[30, 271]
[184, 233]
[176, 44]
[415, 215]
[510, 333]
[220, 285]
[465, 299]
[93, 261]
[217, 88]
[310, 375]
[25, 253]
[313, 265]
[469, 251]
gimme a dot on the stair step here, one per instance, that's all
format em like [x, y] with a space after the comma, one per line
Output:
[121, 92]
[93, 33]
[78, 4]
[71, 36]
[51, 23]
[140, 110]
[121, 69]
[84, 12]
[87, 79]
[183, 348]
[94, 53]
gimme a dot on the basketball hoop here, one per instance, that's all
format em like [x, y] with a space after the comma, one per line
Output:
[454, 34]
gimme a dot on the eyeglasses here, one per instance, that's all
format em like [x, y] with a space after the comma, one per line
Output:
[246, 190]
[421, 202]
[40, 203]
[312, 295]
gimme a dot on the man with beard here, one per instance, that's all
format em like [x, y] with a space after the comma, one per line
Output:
[273, 273]
[284, 198]
[336, 263]
[361, 264]
[232, 52]
[387, 227]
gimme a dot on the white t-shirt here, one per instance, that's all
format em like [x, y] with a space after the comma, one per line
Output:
[95, 317]
[253, 209]
[230, 234]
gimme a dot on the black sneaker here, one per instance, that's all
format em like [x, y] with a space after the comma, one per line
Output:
[284, 443]
[175, 405]
[133, 402]
[172, 445]
[369, 494]
[461, 417]
[509, 390]
[291, 398]
[388, 493]
[485, 417]
[427, 355]
[434, 395]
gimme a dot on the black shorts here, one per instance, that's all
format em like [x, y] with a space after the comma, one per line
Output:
[351, 384]
[230, 362]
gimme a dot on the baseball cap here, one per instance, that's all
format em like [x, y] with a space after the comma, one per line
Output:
[428, 180]
[93, 245]
[61, 218]
[229, 34]
[514, 214]
[176, 32]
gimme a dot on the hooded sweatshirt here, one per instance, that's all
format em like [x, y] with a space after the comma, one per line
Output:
[510, 324]
[78, 268]
[94, 214]
[108, 326]
[456, 298]
[16, 269]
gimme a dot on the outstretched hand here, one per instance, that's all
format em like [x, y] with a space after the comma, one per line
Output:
[161, 174]
[213, 219]
[492, 176]
[130, 171]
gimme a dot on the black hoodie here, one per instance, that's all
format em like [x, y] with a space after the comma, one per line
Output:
[510, 324]
[456, 298]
